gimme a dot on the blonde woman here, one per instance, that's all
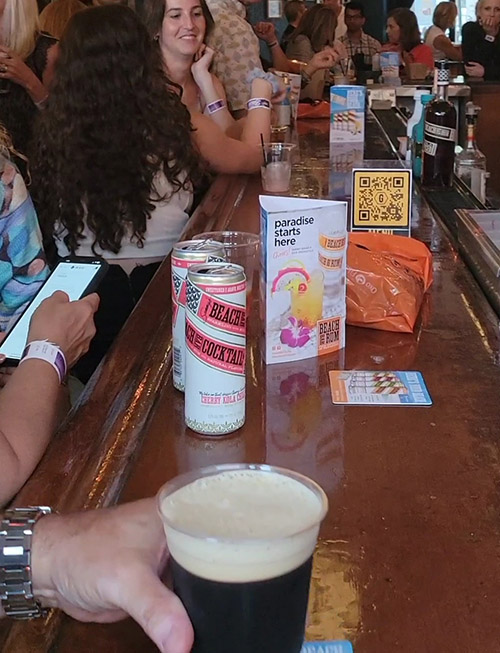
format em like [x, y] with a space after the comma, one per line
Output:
[481, 41]
[54, 17]
[27, 58]
[444, 17]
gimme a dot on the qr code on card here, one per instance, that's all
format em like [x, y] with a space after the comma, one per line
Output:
[381, 198]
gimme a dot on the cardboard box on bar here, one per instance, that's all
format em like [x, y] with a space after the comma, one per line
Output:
[347, 114]
[303, 280]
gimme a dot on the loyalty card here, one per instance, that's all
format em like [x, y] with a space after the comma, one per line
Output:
[381, 200]
[339, 646]
[379, 388]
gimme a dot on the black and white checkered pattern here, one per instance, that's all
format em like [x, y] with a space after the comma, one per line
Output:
[177, 283]
[193, 297]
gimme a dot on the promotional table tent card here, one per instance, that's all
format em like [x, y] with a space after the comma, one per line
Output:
[303, 287]
[347, 114]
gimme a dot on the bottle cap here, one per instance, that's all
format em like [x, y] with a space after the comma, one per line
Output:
[472, 109]
[442, 72]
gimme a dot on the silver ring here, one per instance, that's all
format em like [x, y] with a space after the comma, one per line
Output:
[3, 68]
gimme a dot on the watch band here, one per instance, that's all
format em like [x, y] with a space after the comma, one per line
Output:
[16, 589]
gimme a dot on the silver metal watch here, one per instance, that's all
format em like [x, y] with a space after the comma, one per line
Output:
[16, 589]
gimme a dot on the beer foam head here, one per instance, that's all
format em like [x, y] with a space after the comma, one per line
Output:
[242, 525]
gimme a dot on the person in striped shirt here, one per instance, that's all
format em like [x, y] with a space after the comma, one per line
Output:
[360, 46]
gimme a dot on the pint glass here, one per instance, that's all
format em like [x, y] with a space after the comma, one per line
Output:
[241, 539]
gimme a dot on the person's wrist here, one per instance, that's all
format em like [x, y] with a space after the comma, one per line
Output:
[203, 80]
[49, 353]
[261, 88]
[44, 554]
[309, 69]
[54, 335]
[33, 85]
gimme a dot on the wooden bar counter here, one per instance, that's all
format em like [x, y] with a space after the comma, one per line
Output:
[409, 555]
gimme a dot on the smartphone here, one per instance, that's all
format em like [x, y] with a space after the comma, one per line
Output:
[77, 276]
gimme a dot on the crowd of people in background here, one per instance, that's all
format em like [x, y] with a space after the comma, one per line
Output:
[113, 118]
[187, 93]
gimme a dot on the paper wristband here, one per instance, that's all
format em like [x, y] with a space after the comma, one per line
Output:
[215, 106]
[46, 351]
[258, 103]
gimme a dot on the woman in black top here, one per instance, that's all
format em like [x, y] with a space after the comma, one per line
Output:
[26, 63]
[481, 42]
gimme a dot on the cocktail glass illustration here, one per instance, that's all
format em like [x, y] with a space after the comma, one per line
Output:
[307, 300]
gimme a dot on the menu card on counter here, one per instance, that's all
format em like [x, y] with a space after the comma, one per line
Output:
[379, 388]
[347, 114]
[303, 252]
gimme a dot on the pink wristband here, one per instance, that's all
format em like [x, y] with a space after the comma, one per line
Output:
[48, 352]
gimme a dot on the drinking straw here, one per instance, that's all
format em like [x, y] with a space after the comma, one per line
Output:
[263, 150]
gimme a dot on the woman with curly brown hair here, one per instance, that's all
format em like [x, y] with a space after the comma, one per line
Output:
[117, 157]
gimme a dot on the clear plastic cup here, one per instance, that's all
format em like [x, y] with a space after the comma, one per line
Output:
[277, 168]
[242, 248]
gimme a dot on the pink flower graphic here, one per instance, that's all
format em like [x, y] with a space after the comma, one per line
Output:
[295, 335]
[294, 386]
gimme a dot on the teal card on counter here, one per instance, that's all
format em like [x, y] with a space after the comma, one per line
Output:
[333, 646]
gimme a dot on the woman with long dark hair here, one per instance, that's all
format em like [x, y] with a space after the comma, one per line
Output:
[404, 37]
[179, 27]
[117, 156]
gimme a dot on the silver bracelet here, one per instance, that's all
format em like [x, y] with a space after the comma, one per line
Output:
[16, 589]
[258, 103]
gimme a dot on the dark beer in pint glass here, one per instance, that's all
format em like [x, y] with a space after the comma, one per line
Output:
[241, 538]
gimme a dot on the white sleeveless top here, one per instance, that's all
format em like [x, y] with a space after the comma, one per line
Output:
[431, 34]
[163, 229]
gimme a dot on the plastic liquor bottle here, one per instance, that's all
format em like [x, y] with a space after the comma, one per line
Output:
[417, 138]
[283, 110]
[412, 121]
[470, 158]
[440, 123]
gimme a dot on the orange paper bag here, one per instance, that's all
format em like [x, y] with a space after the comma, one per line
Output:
[387, 277]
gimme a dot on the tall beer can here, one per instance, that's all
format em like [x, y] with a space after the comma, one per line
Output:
[215, 348]
[184, 255]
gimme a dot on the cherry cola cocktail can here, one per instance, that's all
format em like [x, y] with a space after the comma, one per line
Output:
[184, 255]
[215, 348]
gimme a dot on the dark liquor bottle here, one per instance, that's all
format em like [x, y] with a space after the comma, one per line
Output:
[439, 134]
